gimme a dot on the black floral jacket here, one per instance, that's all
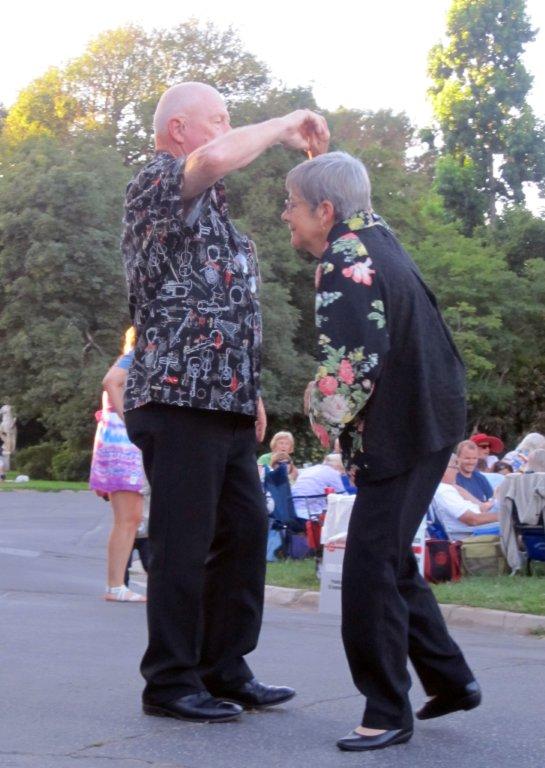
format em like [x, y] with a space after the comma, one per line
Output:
[390, 382]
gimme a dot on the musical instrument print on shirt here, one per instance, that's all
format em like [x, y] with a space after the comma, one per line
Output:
[193, 282]
[226, 372]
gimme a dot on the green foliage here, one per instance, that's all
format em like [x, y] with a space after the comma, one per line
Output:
[526, 411]
[381, 140]
[113, 88]
[45, 108]
[475, 290]
[479, 98]
[457, 184]
[71, 464]
[520, 235]
[36, 461]
[62, 295]
[53, 461]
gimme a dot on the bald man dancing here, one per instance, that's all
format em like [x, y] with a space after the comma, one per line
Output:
[193, 404]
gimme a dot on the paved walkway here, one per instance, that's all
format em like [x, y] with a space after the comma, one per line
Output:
[70, 683]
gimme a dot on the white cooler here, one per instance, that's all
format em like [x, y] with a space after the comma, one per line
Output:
[333, 538]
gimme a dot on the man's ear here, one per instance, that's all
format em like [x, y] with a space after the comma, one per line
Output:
[177, 128]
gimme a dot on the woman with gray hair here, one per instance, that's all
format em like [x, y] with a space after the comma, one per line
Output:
[519, 456]
[390, 385]
[336, 180]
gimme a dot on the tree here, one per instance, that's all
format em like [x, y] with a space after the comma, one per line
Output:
[62, 295]
[44, 108]
[113, 88]
[382, 141]
[117, 82]
[475, 291]
[521, 236]
[456, 182]
[479, 98]
[526, 411]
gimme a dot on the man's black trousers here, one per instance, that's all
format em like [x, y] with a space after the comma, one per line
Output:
[207, 534]
[389, 612]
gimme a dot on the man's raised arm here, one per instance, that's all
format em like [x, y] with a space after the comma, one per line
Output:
[303, 129]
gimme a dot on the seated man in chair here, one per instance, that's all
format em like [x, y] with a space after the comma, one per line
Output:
[459, 515]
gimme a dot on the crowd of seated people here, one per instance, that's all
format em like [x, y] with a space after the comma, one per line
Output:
[467, 500]
[478, 494]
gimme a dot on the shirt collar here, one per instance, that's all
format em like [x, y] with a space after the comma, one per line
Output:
[358, 221]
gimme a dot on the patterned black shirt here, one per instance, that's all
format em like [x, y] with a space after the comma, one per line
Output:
[193, 296]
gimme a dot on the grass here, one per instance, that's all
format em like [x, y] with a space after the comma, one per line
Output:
[300, 574]
[520, 594]
[41, 485]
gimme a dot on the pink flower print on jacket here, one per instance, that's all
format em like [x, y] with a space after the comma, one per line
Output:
[360, 272]
[328, 385]
[322, 434]
[346, 372]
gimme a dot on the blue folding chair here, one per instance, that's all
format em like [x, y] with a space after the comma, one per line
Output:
[532, 538]
[284, 523]
[435, 528]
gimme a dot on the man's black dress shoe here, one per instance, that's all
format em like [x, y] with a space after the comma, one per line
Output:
[467, 697]
[355, 742]
[198, 707]
[255, 695]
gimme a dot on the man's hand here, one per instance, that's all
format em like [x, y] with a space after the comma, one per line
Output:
[260, 421]
[302, 129]
[305, 130]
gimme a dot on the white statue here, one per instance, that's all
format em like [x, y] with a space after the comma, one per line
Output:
[8, 433]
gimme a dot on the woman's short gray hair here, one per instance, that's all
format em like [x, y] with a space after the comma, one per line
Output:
[335, 176]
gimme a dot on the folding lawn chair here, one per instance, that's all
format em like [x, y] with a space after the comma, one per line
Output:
[532, 538]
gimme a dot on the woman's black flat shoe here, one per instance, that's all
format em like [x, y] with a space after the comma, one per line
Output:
[355, 742]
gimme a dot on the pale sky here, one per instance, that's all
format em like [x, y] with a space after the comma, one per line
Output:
[354, 53]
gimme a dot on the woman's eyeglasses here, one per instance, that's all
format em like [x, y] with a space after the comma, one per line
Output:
[289, 205]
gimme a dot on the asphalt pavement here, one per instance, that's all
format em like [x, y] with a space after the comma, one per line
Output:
[71, 687]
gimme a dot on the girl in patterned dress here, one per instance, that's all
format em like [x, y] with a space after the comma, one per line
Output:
[117, 474]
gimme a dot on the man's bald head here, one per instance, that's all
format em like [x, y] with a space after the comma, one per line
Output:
[184, 106]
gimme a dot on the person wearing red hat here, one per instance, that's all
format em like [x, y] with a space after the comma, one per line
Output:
[488, 446]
